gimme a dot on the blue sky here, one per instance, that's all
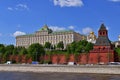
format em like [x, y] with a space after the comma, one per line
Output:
[19, 17]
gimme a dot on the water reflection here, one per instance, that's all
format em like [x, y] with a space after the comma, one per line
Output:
[55, 76]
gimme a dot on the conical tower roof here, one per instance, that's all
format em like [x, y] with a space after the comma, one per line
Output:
[102, 27]
[102, 40]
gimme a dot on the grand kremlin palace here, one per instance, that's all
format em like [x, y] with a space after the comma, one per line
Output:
[47, 35]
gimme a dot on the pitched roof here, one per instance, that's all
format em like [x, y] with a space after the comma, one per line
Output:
[102, 27]
[103, 41]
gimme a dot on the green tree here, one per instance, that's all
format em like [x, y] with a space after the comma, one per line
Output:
[9, 49]
[73, 47]
[2, 49]
[79, 49]
[15, 51]
[118, 52]
[68, 49]
[36, 50]
[88, 47]
[23, 51]
[60, 45]
[48, 45]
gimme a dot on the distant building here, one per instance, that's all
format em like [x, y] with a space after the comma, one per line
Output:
[91, 37]
[47, 35]
[117, 43]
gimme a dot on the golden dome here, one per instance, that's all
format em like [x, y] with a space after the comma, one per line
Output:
[92, 32]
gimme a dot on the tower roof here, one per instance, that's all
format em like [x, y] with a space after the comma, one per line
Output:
[103, 39]
[102, 27]
[45, 28]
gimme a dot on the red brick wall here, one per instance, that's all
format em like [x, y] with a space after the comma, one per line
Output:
[96, 58]
[83, 59]
[71, 58]
[55, 59]
[62, 58]
[91, 58]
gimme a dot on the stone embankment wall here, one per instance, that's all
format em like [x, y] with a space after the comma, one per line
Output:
[61, 68]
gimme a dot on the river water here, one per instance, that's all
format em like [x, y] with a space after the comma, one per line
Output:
[55, 76]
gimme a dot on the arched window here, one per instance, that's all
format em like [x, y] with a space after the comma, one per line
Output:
[103, 33]
[100, 33]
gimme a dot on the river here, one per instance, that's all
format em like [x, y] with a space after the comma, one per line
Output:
[55, 76]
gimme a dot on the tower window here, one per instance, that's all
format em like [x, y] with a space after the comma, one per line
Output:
[100, 33]
[103, 33]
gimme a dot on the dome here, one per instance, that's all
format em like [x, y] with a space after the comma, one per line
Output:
[92, 32]
[119, 37]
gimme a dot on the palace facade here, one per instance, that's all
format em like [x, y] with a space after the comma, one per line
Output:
[47, 35]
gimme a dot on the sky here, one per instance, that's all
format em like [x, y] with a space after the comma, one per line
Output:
[20, 17]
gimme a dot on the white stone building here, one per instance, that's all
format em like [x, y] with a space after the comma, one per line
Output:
[47, 35]
[91, 37]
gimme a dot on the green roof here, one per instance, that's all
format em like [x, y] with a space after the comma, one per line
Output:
[45, 28]
[64, 31]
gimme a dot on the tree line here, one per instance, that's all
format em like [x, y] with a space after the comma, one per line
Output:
[35, 50]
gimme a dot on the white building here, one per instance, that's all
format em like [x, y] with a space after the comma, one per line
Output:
[47, 35]
[91, 37]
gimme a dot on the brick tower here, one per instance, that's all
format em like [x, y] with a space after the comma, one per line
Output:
[102, 52]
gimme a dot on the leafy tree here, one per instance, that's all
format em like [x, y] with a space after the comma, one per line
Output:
[84, 42]
[48, 45]
[118, 51]
[79, 49]
[35, 50]
[68, 48]
[9, 49]
[2, 51]
[88, 47]
[73, 47]
[2, 48]
[15, 51]
[60, 45]
[23, 51]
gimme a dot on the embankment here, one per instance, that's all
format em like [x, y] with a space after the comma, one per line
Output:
[101, 69]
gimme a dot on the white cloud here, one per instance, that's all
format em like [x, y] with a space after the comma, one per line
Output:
[22, 7]
[56, 28]
[68, 3]
[87, 30]
[19, 7]
[115, 0]
[107, 28]
[71, 27]
[10, 8]
[18, 33]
